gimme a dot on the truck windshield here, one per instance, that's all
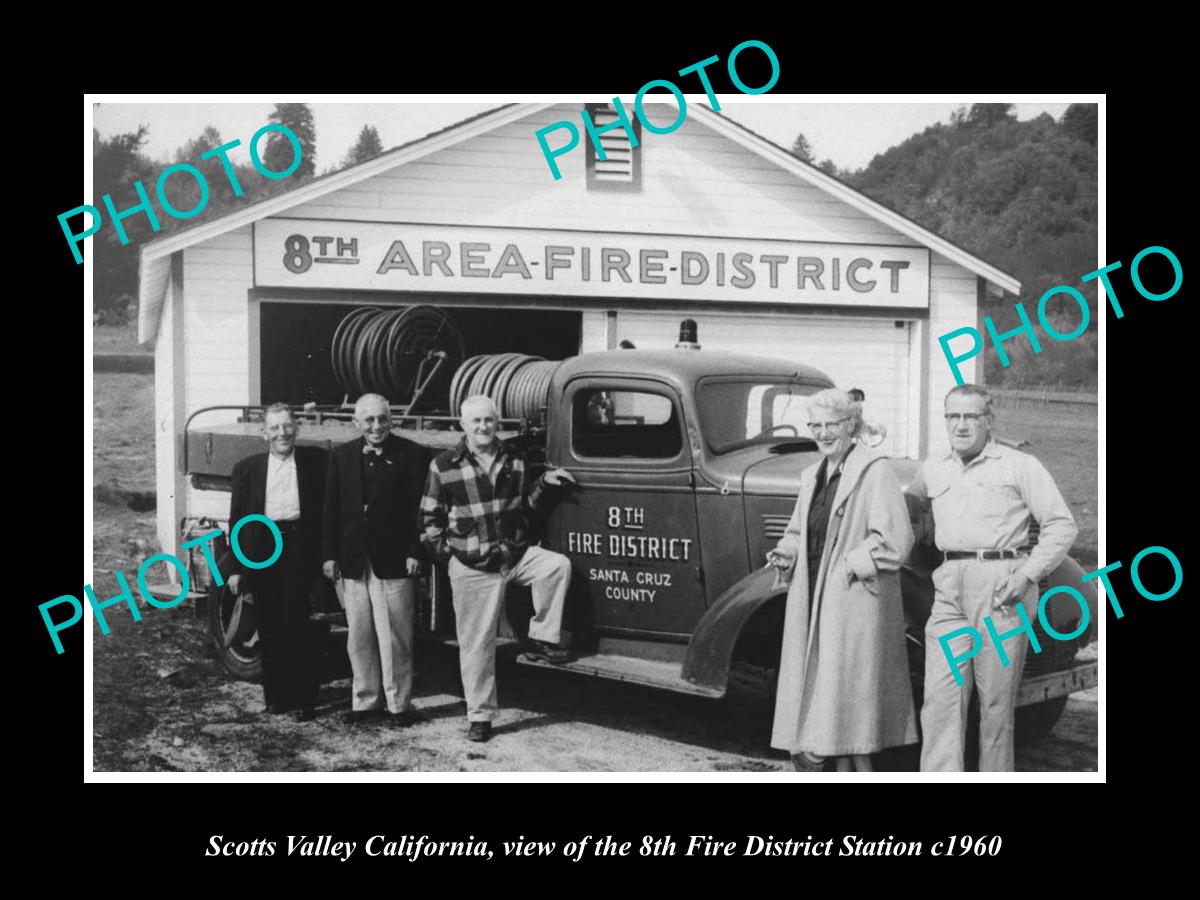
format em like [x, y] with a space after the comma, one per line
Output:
[735, 413]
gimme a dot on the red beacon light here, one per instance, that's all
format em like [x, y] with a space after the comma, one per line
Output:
[687, 336]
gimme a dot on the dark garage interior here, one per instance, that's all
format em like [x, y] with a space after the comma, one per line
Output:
[296, 337]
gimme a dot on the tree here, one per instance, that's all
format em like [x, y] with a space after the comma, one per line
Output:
[279, 154]
[1022, 195]
[829, 167]
[191, 151]
[802, 149]
[185, 193]
[985, 115]
[118, 160]
[1081, 121]
[368, 146]
[116, 164]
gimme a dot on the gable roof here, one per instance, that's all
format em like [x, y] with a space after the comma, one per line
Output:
[155, 256]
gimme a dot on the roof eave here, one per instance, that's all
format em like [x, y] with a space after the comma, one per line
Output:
[152, 255]
[318, 188]
[858, 200]
[155, 254]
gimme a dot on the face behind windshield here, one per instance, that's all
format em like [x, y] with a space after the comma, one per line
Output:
[735, 413]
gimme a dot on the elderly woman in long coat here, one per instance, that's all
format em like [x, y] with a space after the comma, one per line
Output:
[843, 677]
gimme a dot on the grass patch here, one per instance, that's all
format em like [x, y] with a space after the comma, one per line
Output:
[1063, 436]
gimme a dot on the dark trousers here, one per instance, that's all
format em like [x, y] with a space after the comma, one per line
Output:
[290, 658]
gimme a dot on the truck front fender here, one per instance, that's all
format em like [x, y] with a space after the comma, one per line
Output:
[710, 651]
[1063, 612]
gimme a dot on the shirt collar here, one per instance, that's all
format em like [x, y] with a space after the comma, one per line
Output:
[990, 450]
[289, 460]
[362, 446]
[465, 452]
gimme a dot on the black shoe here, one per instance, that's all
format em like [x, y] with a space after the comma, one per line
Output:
[551, 653]
[304, 714]
[479, 732]
[406, 718]
[360, 716]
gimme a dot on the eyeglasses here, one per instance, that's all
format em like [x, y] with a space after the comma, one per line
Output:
[814, 427]
[973, 418]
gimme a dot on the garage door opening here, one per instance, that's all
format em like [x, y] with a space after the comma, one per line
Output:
[296, 339]
[873, 354]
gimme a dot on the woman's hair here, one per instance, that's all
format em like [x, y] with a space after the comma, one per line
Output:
[839, 403]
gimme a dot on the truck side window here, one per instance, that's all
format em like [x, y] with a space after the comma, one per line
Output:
[625, 424]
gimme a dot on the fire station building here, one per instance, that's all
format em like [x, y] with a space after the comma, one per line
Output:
[769, 255]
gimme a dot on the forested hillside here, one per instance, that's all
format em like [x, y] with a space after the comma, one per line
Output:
[1023, 197]
[120, 162]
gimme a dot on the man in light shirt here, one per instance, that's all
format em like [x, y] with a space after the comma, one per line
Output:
[286, 485]
[984, 496]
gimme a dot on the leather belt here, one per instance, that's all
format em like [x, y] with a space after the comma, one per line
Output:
[983, 554]
[288, 526]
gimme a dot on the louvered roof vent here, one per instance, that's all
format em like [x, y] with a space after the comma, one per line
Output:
[621, 169]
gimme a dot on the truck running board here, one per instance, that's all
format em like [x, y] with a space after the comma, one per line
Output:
[650, 672]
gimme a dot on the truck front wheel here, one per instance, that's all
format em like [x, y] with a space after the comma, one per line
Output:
[234, 630]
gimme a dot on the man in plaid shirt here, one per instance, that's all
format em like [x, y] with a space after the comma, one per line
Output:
[474, 519]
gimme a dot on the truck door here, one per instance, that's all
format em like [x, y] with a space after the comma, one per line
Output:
[631, 529]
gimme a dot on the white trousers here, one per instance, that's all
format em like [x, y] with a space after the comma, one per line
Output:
[478, 601]
[964, 590]
[379, 616]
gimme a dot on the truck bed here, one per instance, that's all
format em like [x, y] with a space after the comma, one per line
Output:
[212, 450]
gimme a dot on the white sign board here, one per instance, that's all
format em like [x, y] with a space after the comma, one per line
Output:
[308, 253]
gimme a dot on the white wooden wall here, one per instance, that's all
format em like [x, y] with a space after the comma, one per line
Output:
[167, 421]
[694, 181]
[871, 354]
[952, 305]
[217, 276]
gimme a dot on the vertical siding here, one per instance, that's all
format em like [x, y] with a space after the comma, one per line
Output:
[165, 423]
[952, 305]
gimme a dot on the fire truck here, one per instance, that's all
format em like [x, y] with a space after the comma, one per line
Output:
[688, 464]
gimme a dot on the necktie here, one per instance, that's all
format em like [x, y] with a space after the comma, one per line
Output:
[368, 449]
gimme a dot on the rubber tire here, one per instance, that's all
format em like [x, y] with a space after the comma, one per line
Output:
[1037, 720]
[241, 664]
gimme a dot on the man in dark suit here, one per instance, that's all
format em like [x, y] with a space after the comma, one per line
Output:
[370, 542]
[286, 485]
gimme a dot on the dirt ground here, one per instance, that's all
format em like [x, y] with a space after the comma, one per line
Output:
[162, 702]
